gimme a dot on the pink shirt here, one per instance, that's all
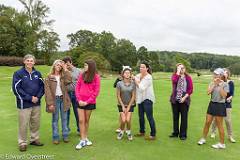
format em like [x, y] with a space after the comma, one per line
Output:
[87, 92]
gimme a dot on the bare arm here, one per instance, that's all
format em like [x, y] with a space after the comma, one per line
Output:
[210, 89]
[119, 98]
[132, 100]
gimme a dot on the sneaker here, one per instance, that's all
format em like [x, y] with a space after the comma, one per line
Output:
[201, 141]
[232, 140]
[219, 146]
[213, 135]
[129, 135]
[81, 144]
[120, 135]
[118, 130]
[88, 142]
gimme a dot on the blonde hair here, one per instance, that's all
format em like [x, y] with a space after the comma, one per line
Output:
[52, 70]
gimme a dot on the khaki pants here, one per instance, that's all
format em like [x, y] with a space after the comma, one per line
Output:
[228, 121]
[29, 116]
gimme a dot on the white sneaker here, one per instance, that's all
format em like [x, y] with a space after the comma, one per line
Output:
[219, 146]
[81, 144]
[232, 140]
[120, 135]
[129, 135]
[201, 141]
[88, 142]
[213, 135]
[118, 130]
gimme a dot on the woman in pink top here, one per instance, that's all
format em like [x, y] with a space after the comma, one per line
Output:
[87, 90]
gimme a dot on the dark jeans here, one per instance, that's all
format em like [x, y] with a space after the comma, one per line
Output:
[75, 110]
[182, 109]
[147, 107]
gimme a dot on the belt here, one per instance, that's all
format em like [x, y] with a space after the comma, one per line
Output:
[61, 97]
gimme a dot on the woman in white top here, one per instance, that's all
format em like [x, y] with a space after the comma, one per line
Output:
[57, 98]
[145, 99]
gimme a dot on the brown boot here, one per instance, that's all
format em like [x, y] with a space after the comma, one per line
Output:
[23, 148]
[56, 142]
[150, 138]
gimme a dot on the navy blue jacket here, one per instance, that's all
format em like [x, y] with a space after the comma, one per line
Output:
[230, 93]
[26, 85]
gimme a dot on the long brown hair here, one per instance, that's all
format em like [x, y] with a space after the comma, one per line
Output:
[228, 73]
[89, 75]
[149, 69]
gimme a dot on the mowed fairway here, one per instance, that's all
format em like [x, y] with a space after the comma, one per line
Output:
[104, 121]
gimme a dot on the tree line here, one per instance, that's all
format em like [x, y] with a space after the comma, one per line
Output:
[30, 31]
[120, 52]
[27, 31]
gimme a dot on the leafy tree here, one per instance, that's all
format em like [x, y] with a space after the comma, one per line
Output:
[125, 54]
[142, 54]
[49, 44]
[185, 62]
[235, 69]
[106, 44]
[154, 62]
[40, 40]
[75, 54]
[101, 61]
[13, 31]
[83, 38]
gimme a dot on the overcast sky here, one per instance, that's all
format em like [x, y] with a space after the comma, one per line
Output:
[174, 25]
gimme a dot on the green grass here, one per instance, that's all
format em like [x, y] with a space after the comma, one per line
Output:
[104, 121]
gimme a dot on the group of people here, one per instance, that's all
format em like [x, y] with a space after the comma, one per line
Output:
[63, 86]
[66, 85]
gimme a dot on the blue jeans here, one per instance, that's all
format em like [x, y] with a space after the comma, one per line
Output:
[55, 117]
[75, 110]
[147, 107]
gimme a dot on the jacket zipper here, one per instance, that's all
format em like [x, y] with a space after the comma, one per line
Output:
[30, 74]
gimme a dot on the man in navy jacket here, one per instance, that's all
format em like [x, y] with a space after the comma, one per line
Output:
[28, 87]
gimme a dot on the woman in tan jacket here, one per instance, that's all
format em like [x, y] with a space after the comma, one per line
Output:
[57, 98]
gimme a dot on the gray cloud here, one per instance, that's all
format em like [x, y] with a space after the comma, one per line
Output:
[182, 25]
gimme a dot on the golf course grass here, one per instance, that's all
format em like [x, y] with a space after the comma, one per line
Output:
[104, 121]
